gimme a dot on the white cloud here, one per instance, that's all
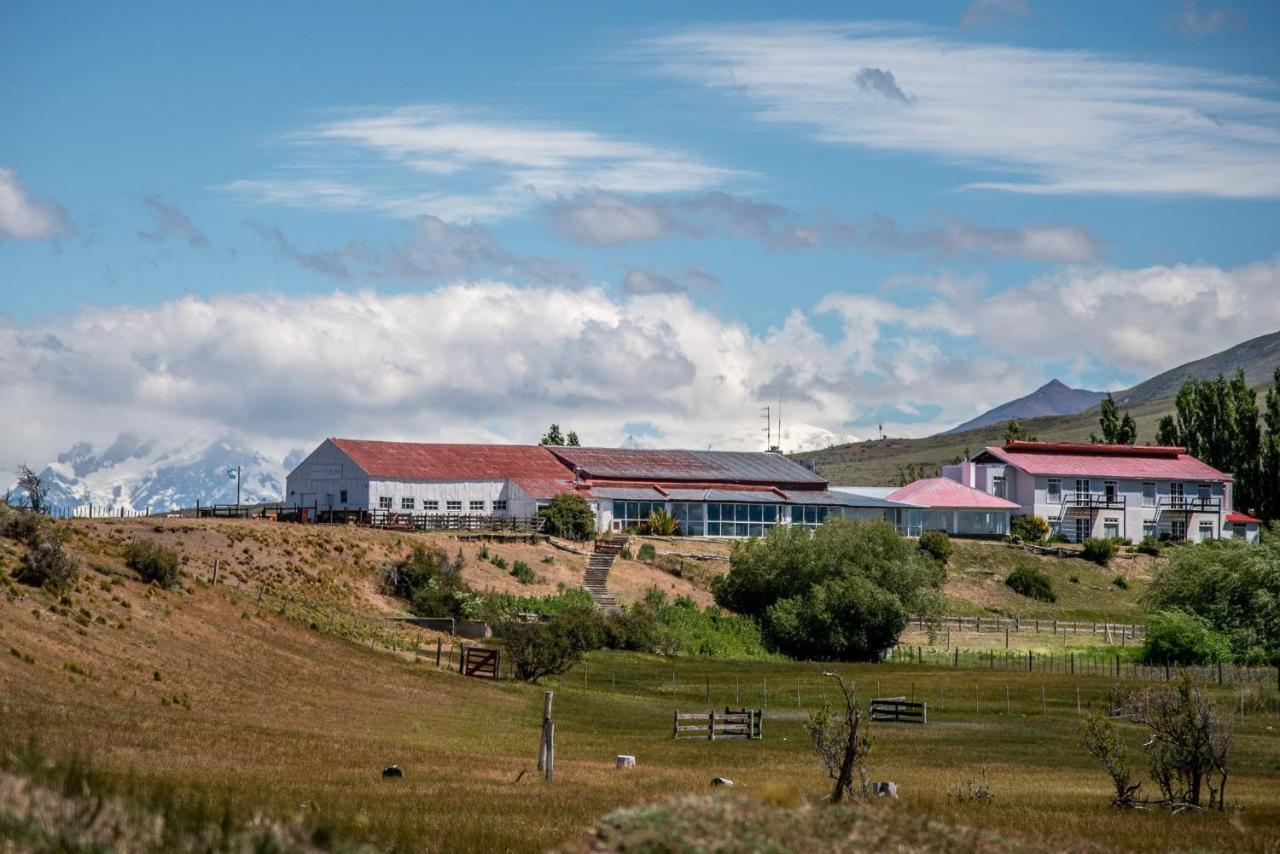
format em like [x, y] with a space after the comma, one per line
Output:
[639, 281]
[463, 166]
[458, 362]
[1041, 121]
[23, 217]
[171, 221]
[1193, 24]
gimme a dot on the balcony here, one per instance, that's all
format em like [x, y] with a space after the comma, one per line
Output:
[1092, 501]
[1189, 504]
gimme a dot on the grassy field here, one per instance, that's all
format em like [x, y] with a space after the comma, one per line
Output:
[203, 695]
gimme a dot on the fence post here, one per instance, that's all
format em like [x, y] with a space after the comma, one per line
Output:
[543, 744]
[711, 730]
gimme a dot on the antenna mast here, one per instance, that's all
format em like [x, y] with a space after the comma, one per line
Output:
[767, 415]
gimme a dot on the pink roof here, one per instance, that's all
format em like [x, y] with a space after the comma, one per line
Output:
[1072, 459]
[1238, 518]
[531, 467]
[942, 492]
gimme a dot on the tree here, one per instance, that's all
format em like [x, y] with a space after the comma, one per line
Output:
[842, 743]
[573, 439]
[1269, 465]
[35, 488]
[1128, 433]
[1102, 740]
[555, 645]
[1015, 432]
[842, 592]
[1167, 432]
[1108, 420]
[553, 436]
[1218, 423]
[569, 515]
[1188, 742]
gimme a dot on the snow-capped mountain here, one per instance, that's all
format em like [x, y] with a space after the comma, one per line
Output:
[135, 473]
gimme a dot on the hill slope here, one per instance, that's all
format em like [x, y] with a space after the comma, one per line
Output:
[1258, 357]
[1052, 398]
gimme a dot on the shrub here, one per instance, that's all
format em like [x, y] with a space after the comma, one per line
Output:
[483, 554]
[569, 516]
[625, 552]
[1176, 637]
[1149, 545]
[46, 563]
[19, 524]
[634, 627]
[936, 544]
[1099, 551]
[1121, 582]
[662, 524]
[155, 563]
[1031, 529]
[840, 592]
[523, 573]
[499, 561]
[1032, 583]
[1056, 537]
[1233, 585]
[553, 646]
[431, 582]
[646, 552]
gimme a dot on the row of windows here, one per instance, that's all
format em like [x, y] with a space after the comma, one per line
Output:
[431, 505]
[1177, 529]
[696, 519]
[1110, 488]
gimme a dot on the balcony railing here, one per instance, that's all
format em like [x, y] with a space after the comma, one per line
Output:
[1191, 504]
[1093, 500]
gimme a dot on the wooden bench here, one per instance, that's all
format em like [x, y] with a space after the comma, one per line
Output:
[898, 710]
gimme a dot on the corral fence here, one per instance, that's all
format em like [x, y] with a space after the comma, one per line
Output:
[480, 662]
[96, 511]
[718, 726]
[452, 522]
[898, 710]
[1001, 625]
[1114, 666]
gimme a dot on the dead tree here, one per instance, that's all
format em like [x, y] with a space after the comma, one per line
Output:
[35, 488]
[1187, 745]
[843, 744]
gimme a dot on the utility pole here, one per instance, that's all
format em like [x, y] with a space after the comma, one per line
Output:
[237, 477]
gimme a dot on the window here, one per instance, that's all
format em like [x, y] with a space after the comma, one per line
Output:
[1175, 495]
[407, 504]
[629, 513]
[477, 506]
[431, 505]
[1178, 529]
[384, 502]
[1082, 530]
[1148, 494]
[1206, 530]
[1149, 528]
[1111, 529]
[740, 520]
[499, 505]
[453, 506]
[342, 496]
[998, 486]
[1055, 490]
[1109, 491]
[1204, 492]
[1082, 487]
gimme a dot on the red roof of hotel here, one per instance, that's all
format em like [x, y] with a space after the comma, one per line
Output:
[1238, 518]
[1071, 459]
[531, 467]
[738, 467]
[944, 493]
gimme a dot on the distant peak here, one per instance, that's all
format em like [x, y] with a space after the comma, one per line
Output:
[1054, 383]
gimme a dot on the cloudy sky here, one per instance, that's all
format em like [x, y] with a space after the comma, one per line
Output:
[299, 220]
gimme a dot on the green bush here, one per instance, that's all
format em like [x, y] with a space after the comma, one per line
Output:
[1176, 637]
[46, 563]
[634, 627]
[936, 544]
[1099, 551]
[569, 516]
[625, 553]
[431, 583]
[1032, 583]
[499, 561]
[523, 573]
[1149, 546]
[1121, 582]
[841, 592]
[1056, 537]
[646, 552]
[1233, 585]
[553, 646]
[156, 564]
[662, 524]
[1030, 529]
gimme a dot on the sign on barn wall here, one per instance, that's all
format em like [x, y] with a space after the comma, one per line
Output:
[326, 471]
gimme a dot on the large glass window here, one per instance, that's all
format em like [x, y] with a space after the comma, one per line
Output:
[740, 520]
[1054, 492]
[1148, 493]
[627, 514]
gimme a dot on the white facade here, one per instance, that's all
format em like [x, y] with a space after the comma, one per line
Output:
[1099, 506]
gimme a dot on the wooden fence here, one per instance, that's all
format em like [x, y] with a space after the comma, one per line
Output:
[451, 522]
[480, 662]
[716, 726]
[898, 709]
[999, 625]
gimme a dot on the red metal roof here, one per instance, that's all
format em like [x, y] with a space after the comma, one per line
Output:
[944, 493]
[531, 467]
[1237, 518]
[1072, 459]
[720, 467]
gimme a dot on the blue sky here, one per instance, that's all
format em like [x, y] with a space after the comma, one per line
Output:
[877, 219]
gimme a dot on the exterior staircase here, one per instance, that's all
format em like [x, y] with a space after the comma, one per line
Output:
[596, 579]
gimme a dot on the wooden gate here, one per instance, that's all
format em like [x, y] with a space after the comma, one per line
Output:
[479, 662]
[715, 726]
